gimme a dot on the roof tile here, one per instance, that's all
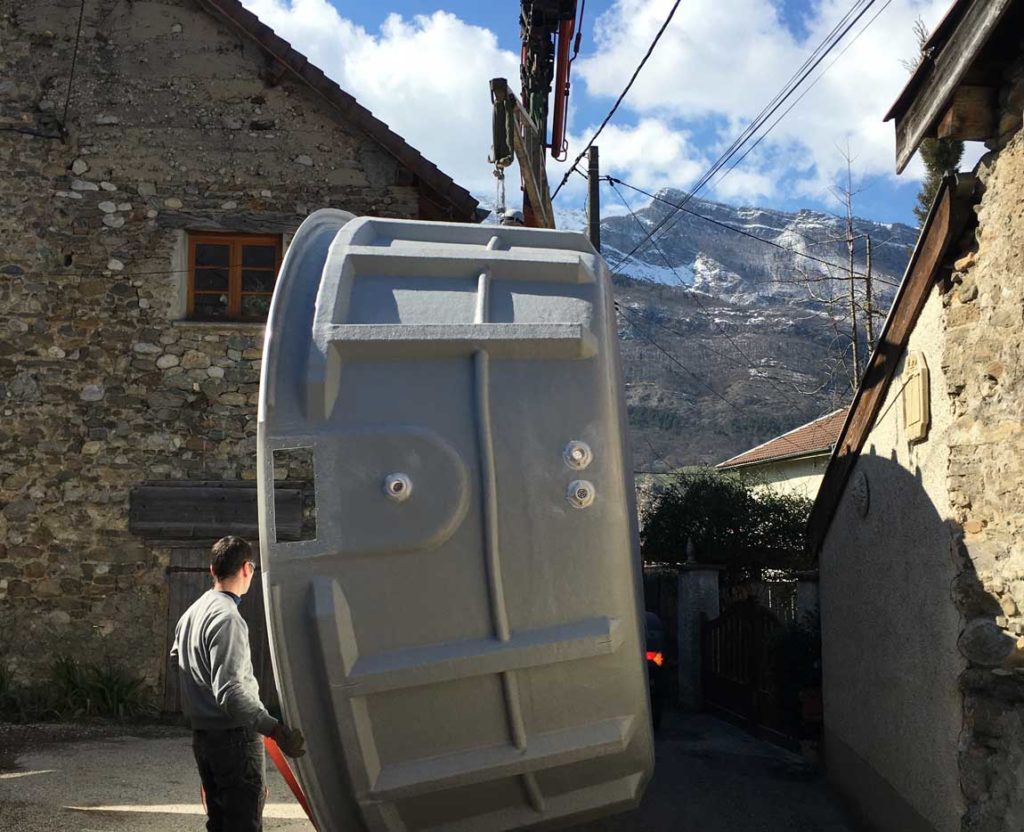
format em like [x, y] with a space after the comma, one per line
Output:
[819, 435]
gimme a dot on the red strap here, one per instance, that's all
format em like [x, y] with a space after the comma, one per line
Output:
[282, 766]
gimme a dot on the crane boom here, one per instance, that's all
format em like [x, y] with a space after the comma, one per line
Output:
[547, 30]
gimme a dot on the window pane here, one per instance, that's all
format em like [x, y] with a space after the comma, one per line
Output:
[255, 306]
[259, 256]
[257, 281]
[212, 254]
[210, 307]
[212, 279]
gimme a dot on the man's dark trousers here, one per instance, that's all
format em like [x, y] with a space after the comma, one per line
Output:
[232, 765]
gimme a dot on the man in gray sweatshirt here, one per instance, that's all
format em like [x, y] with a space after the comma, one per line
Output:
[221, 697]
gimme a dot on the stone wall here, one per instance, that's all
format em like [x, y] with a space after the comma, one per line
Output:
[985, 374]
[169, 126]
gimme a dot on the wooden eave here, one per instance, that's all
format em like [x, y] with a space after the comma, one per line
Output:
[952, 93]
[443, 195]
[948, 219]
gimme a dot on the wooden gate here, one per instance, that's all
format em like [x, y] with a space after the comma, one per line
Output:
[188, 577]
[186, 517]
[738, 674]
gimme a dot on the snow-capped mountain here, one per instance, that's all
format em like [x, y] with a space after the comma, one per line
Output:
[711, 247]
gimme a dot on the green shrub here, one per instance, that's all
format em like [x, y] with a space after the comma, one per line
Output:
[727, 522]
[113, 693]
[75, 691]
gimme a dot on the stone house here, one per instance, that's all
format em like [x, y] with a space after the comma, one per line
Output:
[919, 524]
[793, 463]
[155, 160]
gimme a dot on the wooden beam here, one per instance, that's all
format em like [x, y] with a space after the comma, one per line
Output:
[971, 115]
[530, 153]
[274, 71]
[182, 510]
[940, 81]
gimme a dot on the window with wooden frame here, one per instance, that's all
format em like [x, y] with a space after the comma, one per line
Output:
[231, 276]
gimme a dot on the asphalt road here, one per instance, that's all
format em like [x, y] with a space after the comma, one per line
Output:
[710, 777]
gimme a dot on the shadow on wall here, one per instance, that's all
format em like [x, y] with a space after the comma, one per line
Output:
[923, 681]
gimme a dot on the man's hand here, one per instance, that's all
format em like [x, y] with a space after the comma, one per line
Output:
[289, 740]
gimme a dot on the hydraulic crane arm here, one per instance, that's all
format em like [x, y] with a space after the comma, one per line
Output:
[548, 30]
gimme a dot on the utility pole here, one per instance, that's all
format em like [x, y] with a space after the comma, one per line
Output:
[594, 199]
[868, 302]
[850, 238]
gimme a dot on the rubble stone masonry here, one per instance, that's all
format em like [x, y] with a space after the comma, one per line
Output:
[170, 126]
[984, 366]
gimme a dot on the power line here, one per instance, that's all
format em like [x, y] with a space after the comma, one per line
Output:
[29, 131]
[803, 72]
[809, 87]
[681, 207]
[750, 365]
[679, 278]
[817, 56]
[618, 101]
[74, 62]
[654, 343]
[579, 33]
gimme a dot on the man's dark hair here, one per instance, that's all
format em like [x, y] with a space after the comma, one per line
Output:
[228, 555]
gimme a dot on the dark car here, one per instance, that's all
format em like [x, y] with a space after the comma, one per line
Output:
[656, 673]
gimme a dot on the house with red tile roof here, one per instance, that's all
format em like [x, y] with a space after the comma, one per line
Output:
[795, 462]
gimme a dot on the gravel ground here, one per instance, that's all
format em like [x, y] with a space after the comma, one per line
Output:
[710, 777]
[104, 778]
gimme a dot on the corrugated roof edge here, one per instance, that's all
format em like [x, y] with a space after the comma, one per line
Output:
[462, 204]
[947, 220]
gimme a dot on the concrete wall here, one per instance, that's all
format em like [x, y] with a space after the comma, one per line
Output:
[170, 126]
[889, 629]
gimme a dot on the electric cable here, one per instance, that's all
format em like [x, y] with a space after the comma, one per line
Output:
[819, 54]
[74, 62]
[654, 343]
[750, 363]
[681, 207]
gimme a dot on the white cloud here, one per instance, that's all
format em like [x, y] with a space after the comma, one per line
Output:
[425, 76]
[715, 68]
[719, 63]
[650, 154]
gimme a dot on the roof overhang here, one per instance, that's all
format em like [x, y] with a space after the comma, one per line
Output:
[774, 460]
[953, 91]
[936, 247]
[441, 197]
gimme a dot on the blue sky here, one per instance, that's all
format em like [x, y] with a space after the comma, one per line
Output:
[423, 66]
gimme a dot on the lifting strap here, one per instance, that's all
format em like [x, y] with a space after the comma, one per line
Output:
[285, 770]
[282, 766]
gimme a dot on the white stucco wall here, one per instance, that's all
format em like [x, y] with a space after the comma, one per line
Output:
[893, 710]
[801, 477]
